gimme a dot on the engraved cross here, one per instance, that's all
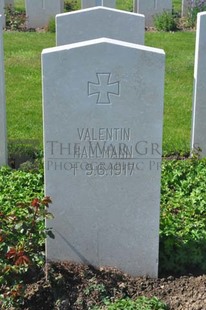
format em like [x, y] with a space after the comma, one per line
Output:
[103, 88]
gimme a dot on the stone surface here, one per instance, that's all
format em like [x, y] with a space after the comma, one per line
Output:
[9, 2]
[2, 12]
[39, 12]
[103, 115]
[3, 139]
[199, 95]
[90, 3]
[150, 8]
[185, 6]
[134, 5]
[99, 22]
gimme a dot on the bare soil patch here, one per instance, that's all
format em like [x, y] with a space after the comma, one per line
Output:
[76, 287]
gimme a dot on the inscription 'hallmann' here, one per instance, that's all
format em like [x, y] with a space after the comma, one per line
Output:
[104, 134]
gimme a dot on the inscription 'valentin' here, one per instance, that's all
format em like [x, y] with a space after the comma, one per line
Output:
[104, 134]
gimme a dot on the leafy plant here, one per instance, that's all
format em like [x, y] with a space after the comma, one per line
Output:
[183, 216]
[15, 20]
[51, 25]
[165, 22]
[22, 238]
[71, 5]
[22, 231]
[141, 303]
[19, 186]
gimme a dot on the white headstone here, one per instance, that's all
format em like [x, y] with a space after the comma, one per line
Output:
[39, 12]
[99, 22]
[90, 3]
[3, 136]
[199, 96]
[135, 6]
[150, 8]
[103, 115]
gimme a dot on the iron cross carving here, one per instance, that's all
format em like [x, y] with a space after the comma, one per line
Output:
[103, 88]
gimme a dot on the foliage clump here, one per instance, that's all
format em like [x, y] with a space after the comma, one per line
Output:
[15, 19]
[183, 216]
[141, 303]
[71, 5]
[22, 231]
[165, 21]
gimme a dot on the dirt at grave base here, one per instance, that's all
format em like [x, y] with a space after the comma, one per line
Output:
[76, 287]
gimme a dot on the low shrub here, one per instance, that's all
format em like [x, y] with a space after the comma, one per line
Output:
[51, 25]
[15, 19]
[22, 238]
[22, 231]
[71, 5]
[183, 217]
[141, 303]
[166, 21]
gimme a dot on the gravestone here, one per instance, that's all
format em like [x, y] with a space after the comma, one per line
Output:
[39, 12]
[3, 139]
[185, 7]
[199, 95]
[150, 8]
[90, 3]
[135, 6]
[103, 114]
[9, 3]
[99, 22]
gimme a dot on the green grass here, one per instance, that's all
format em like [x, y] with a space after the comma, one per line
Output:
[19, 4]
[179, 48]
[23, 84]
[177, 4]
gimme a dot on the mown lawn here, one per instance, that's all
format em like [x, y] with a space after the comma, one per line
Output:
[179, 48]
[23, 82]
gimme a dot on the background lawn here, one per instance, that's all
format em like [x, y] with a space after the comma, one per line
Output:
[23, 83]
